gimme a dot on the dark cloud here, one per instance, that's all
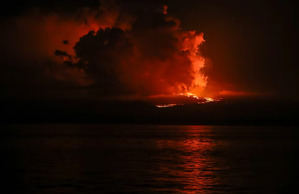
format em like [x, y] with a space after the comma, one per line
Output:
[146, 60]
[61, 53]
[100, 53]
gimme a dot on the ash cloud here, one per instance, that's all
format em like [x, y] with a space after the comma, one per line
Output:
[146, 60]
[116, 49]
[154, 56]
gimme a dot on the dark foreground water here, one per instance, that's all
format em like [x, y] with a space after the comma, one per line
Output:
[50, 159]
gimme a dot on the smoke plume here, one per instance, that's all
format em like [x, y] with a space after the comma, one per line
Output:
[117, 49]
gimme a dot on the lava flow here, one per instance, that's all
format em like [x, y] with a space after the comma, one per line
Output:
[182, 99]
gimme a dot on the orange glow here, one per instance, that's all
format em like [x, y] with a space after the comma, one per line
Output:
[208, 99]
[49, 32]
[190, 95]
[181, 99]
[201, 100]
[196, 168]
[165, 105]
[145, 66]
[191, 43]
[236, 93]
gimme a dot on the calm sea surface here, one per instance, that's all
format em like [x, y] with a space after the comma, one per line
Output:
[50, 159]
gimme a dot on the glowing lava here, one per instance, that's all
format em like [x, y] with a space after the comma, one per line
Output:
[190, 98]
[166, 105]
[208, 99]
[201, 99]
[190, 95]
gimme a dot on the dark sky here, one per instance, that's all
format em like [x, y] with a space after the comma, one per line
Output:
[249, 48]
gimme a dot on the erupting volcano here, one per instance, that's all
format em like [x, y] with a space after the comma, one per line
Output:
[149, 62]
[142, 56]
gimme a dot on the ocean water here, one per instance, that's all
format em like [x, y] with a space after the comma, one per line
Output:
[83, 159]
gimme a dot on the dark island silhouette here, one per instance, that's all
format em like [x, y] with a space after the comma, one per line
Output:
[249, 111]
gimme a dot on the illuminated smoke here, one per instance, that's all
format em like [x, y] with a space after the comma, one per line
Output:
[154, 57]
[116, 50]
[192, 41]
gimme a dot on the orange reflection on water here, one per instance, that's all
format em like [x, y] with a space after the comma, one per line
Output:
[194, 170]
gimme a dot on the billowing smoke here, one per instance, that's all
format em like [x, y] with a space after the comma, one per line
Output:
[116, 49]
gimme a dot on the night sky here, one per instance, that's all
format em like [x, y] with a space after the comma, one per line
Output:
[86, 51]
